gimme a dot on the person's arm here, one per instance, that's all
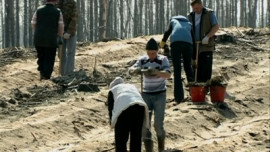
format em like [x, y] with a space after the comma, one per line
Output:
[110, 102]
[214, 24]
[214, 29]
[61, 25]
[72, 25]
[34, 21]
[167, 33]
[136, 68]
[166, 72]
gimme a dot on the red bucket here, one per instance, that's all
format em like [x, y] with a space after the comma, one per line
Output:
[197, 93]
[217, 93]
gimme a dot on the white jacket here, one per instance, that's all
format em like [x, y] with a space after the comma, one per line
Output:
[126, 95]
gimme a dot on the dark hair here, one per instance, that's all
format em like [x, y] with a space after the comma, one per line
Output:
[193, 2]
[152, 44]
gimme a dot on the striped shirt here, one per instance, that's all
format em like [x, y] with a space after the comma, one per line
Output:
[153, 84]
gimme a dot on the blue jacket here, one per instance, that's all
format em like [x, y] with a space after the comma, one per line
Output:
[180, 29]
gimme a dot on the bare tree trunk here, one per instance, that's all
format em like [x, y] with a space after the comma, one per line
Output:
[109, 25]
[210, 4]
[136, 20]
[90, 25]
[262, 13]
[246, 13]
[188, 5]
[157, 16]
[140, 30]
[121, 10]
[103, 18]
[204, 3]
[17, 24]
[8, 23]
[161, 17]
[96, 20]
[235, 13]
[222, 13]
[80, 21]
[25, 25]
[168, 15]
[2, 26]
[84, 29]
[218, 12]
[151, 20]
[242, 13]
[252, 13]
[146, 21]
[30, 13]
[267, 13]
[227, 9]
[115, 19]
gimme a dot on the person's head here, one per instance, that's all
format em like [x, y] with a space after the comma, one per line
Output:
[51, 1]
[116, 81]
[197, 6]
[152, 49]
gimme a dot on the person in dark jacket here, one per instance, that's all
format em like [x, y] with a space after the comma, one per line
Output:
[128, 112]
[205, 25]
[47, 22]
[182, 41]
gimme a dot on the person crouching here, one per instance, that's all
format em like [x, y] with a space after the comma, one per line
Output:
[128, 115]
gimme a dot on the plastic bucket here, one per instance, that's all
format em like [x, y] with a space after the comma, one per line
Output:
[197, 93]
[217, 93]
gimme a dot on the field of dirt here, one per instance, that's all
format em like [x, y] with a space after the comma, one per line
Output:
[69, 114]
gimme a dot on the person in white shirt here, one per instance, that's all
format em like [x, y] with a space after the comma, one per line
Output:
[128, 115]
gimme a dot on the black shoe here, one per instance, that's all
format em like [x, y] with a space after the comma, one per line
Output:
[43, 77]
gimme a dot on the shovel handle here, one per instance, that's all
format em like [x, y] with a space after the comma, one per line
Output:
[197, 55]
[60, 51]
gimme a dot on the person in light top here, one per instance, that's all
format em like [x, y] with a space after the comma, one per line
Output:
[156, 69]
[128, 115]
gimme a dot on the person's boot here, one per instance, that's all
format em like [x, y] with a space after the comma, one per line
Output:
[161, 145]
[148, 144]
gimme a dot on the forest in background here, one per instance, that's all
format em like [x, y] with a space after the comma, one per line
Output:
[108, 19]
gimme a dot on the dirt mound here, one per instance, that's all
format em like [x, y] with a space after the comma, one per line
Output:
[9, 55]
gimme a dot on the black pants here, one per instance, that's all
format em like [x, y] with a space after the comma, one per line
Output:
[46, 58]
[205, 62]
[181, 50]
[129, 123]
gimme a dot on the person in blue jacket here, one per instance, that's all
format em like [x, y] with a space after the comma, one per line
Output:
[182, 46]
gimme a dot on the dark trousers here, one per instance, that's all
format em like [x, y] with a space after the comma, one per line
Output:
[205, 62]
[46, 58]
[130, 122]
[181, 50]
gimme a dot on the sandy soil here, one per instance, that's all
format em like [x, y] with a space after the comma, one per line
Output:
[39, 116]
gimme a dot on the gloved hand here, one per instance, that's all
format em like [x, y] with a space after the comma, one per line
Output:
[152, 72]
[134, 71]
[205, 40]
[66, 36]
[162, 44]
[194, 65]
